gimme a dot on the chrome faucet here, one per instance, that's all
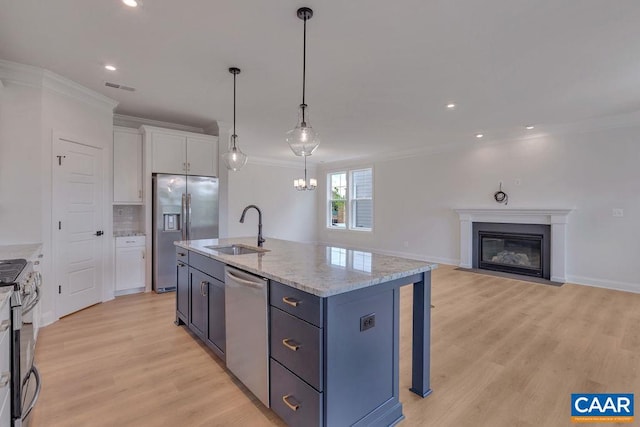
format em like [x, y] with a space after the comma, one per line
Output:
[260, 239]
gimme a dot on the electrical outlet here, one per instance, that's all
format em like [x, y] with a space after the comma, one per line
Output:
[406, 244]
[367, 322]
[518, 181]
[618, 212]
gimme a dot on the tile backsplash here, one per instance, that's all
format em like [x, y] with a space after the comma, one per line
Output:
[127, 220]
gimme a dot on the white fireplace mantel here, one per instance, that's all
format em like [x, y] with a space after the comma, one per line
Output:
[557, 218]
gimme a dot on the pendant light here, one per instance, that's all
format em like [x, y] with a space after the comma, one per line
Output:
[234, 158]
[302, 139]
[301, 184]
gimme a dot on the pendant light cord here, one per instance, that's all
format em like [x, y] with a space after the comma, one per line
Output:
[305, 170]
[234, 111]
[304, 67]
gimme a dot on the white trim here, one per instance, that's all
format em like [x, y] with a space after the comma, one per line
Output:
[28, 75]
[603, 283]
[557, 218]
[64, 86]
[126, 121]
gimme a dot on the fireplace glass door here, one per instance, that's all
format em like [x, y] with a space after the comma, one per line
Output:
[511, 253]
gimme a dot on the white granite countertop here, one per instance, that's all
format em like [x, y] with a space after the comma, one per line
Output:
[318, 269]
[28, 251]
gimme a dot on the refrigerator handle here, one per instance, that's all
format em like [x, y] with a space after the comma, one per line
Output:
[188, 216]
[183, 211]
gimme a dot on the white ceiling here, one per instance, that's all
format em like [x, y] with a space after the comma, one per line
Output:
[379, 72]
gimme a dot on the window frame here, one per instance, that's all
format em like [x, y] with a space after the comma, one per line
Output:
[349, 223]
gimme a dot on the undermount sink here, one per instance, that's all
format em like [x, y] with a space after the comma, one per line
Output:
[236, 249]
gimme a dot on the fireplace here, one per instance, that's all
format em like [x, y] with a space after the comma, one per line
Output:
[512, 248]
[554, 243]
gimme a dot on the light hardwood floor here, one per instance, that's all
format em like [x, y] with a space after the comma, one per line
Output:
[504, 353]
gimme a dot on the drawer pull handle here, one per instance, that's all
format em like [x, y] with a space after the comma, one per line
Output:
[285, 399]
[6, 376]
[181, 254]
[291, 301]
[4, 325]
[292, 347]
[180, 264]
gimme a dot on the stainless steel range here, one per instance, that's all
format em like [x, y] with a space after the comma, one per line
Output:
[25, 379]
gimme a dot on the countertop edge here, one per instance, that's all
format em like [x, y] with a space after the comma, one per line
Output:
[301, 286]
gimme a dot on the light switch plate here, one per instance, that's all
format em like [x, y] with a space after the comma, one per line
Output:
[617, 212]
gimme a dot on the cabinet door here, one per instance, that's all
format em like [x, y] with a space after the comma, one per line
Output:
[182, 292]
[127, 167]
[216, 332]
[202, 156]
[169, 153]
[199, 283]
[129, 268]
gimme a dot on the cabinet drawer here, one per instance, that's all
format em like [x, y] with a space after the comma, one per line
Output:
[285, 386]
[298, 346]
[129, 241]
[182, 255]
[301, 304]
[207, 265]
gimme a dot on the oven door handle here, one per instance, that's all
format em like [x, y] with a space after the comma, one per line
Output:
[36, 395]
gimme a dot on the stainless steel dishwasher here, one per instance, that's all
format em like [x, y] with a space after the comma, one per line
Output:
[247, 336]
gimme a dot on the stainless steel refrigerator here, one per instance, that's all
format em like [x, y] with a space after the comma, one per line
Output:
[184, 208]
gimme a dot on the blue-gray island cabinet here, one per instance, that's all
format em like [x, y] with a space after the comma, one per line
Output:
[333, 317]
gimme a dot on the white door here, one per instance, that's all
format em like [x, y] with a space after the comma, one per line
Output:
[77, 217]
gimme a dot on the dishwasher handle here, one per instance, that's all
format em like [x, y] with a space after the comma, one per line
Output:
[250, 283]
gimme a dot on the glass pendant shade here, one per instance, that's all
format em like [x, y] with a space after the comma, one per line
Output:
[303, 139]
[234, 159]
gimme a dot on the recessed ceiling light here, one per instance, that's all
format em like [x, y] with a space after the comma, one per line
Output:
[110, 67]
[130, 3]
[529, 127]
[479, 135]
[451, 106]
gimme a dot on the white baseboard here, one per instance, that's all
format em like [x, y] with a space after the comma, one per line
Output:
[129, 292]
[47, 318]
[607, 284]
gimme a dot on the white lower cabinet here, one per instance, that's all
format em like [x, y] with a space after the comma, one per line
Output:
[130, 264]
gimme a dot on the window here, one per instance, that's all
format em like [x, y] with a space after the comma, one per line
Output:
[350, 198]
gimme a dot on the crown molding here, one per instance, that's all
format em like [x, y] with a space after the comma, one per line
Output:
[64, 86]
[135, 122]
[36, 77]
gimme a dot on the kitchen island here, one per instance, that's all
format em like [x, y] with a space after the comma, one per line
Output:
[332, 319]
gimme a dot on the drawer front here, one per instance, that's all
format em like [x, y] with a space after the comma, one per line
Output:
[129, 241]
[306, 403]
[182, 255]
[301, 304]
[207, 265]
[298, 346]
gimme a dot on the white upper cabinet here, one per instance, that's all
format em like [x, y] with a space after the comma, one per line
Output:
[178, 152]
[202, 156]
[127, 166]
[169, 153]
